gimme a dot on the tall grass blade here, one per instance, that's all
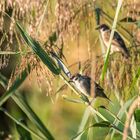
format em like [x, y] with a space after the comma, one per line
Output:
[120, 114]
[79, 135]
[83, 123]
[16, 84]
[22, 125]
[72, 100]
[110, 40]
[109, 125]
[103, 124]
[102, 110]
[133, 127]
[94, 111]
[32, 116]
[24, 134]
[38, 50]
[27, 110]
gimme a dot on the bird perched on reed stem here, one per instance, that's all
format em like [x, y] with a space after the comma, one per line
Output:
[117, 44]
[83, 83]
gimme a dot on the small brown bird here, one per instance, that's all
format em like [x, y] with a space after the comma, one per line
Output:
[117, 45]
[83, 83]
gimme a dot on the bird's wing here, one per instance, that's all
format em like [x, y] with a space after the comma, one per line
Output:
[98, 87]
[119, 43]
[99, 91]
[87, 83]
[118, 39]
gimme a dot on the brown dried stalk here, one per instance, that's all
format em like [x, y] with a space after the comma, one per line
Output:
[132, 108]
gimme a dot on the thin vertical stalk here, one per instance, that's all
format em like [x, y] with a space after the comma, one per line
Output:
[110, 40]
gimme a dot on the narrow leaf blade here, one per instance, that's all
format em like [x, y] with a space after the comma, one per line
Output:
[16, 84]
[38, 50]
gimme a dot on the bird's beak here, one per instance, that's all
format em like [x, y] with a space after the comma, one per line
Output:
[97, 28]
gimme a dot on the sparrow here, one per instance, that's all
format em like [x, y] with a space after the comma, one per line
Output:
[117, 45]
[83, 84]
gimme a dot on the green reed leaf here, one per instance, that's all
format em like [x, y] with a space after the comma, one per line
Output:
[110, 40]
[24, 134]
[15, 85]
[32, 116]
[83, 123]
[44, 56]
[27, 110]
[22, 125]
[103, 124]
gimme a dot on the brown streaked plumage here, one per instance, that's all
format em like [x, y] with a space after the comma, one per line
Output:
[117, 45]
[83, 83]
